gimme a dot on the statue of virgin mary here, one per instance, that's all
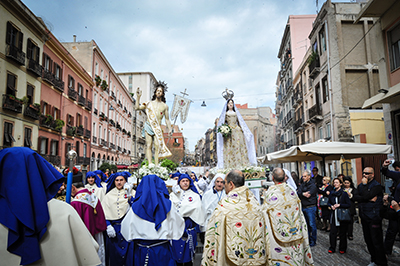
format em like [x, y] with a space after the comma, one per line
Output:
[237, 149]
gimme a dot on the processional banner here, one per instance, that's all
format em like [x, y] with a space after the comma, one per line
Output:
[181, 106]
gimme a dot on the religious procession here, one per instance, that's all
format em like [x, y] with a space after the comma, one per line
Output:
[96, 169]
[107, 219]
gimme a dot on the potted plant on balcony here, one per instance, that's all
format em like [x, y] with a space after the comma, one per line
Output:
[104, 85]
[71, 131]
[48, 120]
[312, 58]
[97, 80]
[37, 106]
[59, 124]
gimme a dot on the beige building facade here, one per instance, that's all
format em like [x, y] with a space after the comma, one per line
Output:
[21, 45]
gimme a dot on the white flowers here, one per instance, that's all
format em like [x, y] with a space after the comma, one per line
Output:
[152, 169]
[246, 169]
[225, 130]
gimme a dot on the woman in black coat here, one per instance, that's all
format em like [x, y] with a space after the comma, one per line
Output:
[338, 199]
[348, 187]
[323, 211]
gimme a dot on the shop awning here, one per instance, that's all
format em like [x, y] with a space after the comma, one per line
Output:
[391, 96]
[120, 166]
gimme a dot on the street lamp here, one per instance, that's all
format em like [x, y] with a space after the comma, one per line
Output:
[71, 155]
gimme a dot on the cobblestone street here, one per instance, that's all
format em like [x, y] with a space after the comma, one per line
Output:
[357, 253]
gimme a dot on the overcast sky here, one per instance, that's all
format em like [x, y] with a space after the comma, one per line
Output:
[202, 45]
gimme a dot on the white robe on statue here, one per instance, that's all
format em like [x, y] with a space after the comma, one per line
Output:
[67, 241]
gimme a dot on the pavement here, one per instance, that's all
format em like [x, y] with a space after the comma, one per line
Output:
[357, 253]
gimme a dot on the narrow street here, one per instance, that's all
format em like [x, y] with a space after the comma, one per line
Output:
[357, 253]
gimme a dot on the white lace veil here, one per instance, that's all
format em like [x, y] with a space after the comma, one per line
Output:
[248, 136]
[290, 180]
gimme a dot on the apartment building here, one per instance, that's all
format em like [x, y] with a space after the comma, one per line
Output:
[113, 107]
[21, 46]
[66, 107]
[386, 18]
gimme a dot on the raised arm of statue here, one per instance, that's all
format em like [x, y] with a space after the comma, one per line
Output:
[138, 95]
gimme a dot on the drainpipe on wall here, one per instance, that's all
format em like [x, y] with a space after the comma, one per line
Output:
[329, 78]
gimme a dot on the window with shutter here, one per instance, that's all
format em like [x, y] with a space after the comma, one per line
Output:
[54, 147]
[8, 134]
[11, 84]
[29, 49]
[29, 93]
[28, 137]
[43, 145]
[14, 37]
[77, 148]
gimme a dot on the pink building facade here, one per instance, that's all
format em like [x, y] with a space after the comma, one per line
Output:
[66, 103]
[112, 108]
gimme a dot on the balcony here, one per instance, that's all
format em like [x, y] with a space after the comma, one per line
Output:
[113, 95]
[72, 93]
[289, 144]
[71, 131]
[88, 105]
[34, 67]
[32, 112]
[125, 110]
[297, 125]
[16, 54]
[95, 111]
[58, 84]
[94, 139]
[12, 104]
[112, 123]
[112, 146]
[289, 116]
[53, 159]
[103, 117]
[313, 68]
[79, 131]
[87, 133]
[103, 142]
[48, 76]
[119, 148]
[81, 100]
[119, 103]
[47, 122]
[118, 126]
[315, 113]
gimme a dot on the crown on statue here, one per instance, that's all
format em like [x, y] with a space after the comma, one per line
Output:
[162, 84]
[227, 94]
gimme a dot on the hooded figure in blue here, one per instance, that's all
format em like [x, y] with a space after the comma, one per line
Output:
[29, 216]
[95, 185]
[102, 175]
[152, 222]
[115, 206]
[187, 201]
